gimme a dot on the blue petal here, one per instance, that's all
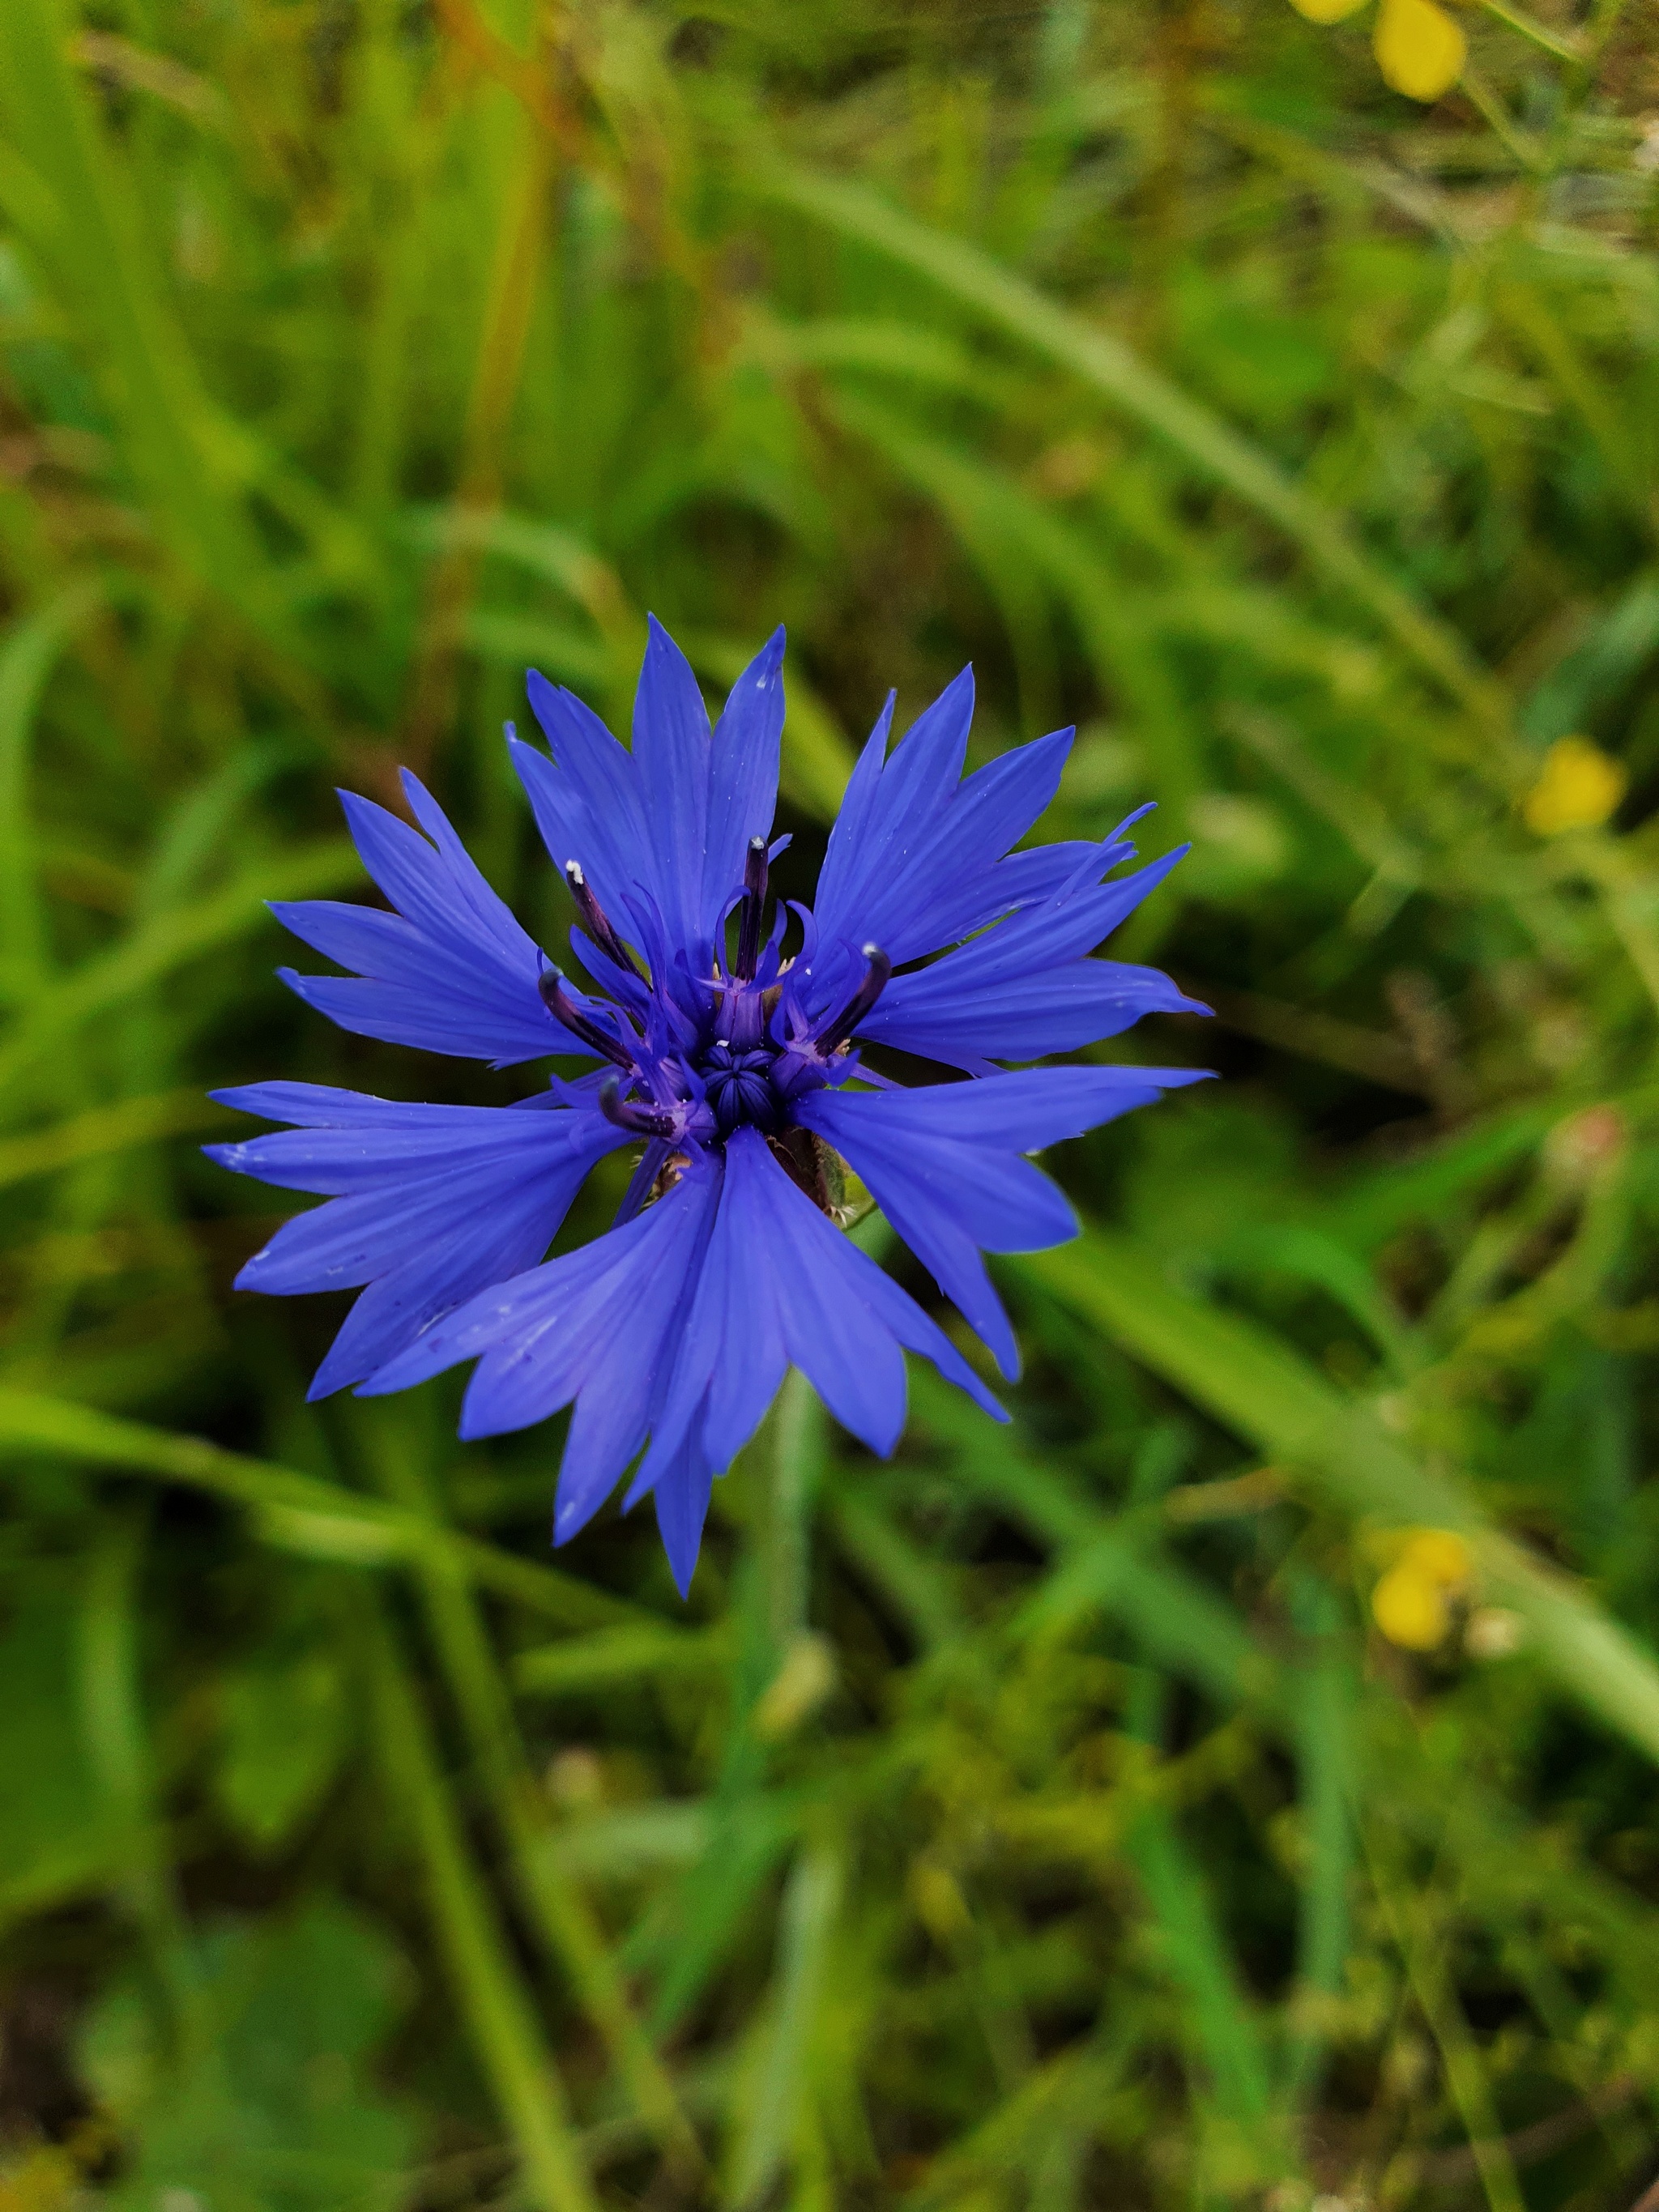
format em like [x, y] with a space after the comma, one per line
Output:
[671, 753]
[964, 1020]
[489, 909]
[781, 1284]
[371, 941]
[927, 759]
[1020, 1112]
[319, 1106]
[1005, 1204]
[943, 1163]
[391, 1311]
[586, 803]
[433, 1203]
[924, 1215]
[917, 859]
[843, 854]
[1020, 990]
[743, 777]
[383, 1147]
[732, 1356]
[946, 885]
[450, 971]
[1027, 878]
[681, 1496]
[463, 1029]
[891, 808]
[600, 1326]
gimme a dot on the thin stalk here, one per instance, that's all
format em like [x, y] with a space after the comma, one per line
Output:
[1626, 905]
[1493, 114]
[557, 1912]
[1551, 41]
[1324, 1728]
[797, 1463]
[112, 1722]
[519, 259]
[1100, 360]
[506, 2034]
[1466, 2077]
[304, 1514]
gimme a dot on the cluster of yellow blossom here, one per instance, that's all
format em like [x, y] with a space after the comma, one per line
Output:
[1419, 48]
[1413, 1602]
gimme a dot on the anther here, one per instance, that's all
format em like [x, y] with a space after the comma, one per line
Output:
[594, 918]
[626, 1114]
[754, 902]
[564, 1009]
[860, 1005]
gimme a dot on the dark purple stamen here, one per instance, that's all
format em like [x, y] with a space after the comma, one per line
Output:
[626, 1114]
[563, 1008]
[835, 1033]
[754, 900]
[594, 919]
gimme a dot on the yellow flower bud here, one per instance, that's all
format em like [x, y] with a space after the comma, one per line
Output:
[1325, 11]
[1419, 49]
[1579, 789]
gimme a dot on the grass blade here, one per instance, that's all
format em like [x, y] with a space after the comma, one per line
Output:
[300, 1513]
[183, 934]
[94, 244]
[102, 1130]
[556, 1907]
[1103, 362]
[1261, 1388]
[1325, 1722]
[26, 657]
[772, 2119]
[506, 2034]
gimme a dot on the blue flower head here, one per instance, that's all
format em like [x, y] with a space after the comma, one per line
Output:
[733, 1065]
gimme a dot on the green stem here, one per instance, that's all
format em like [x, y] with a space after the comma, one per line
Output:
[1263, 1389]
[1099, 359]
[797, 1463]
[1551, 41]
[1466, 2077]
[302, 1513]
[112, 1716]
[506, 2034]
[1324, 1728]
[556, 1910]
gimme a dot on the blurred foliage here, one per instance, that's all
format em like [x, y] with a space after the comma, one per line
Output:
[1235, 1790]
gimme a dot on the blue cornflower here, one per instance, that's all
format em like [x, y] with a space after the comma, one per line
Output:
[734, 1066]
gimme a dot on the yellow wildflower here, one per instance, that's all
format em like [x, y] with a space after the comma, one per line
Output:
[1412, 1605]
[1419, 49]
[1579, 789]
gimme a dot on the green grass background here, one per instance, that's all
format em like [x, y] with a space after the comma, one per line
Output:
[1039, 1819]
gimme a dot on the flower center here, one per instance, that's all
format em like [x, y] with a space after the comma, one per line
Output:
[739, 1086]
[746, 1079]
